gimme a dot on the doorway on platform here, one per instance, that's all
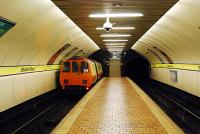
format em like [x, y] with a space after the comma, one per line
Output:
[115, 67]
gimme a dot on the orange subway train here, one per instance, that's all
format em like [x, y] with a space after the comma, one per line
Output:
[78, 74]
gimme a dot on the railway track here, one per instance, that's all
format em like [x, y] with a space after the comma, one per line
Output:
[42, 117]
[22, 127]
[177, 104]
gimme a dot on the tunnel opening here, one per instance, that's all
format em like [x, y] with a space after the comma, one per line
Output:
[135, 66]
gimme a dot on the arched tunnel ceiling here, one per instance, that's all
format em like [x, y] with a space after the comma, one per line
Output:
[41, 32]
[176, 35]
[79, 10]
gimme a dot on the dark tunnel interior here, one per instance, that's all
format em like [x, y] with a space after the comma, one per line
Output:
[133, 66]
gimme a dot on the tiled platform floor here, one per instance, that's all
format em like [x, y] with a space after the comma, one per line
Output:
[114, 107]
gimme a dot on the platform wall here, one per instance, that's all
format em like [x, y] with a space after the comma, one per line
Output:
[186, 80]
[16, 89]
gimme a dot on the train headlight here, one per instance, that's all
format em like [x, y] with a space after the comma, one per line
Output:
[84, 81]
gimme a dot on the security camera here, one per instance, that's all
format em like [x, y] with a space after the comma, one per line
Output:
[107, 25]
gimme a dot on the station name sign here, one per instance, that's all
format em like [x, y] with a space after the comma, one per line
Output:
[27, 69]
[14, 70]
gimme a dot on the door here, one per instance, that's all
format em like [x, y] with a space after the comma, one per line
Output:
[114, 67]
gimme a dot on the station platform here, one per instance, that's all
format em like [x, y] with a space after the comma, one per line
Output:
[116, 105]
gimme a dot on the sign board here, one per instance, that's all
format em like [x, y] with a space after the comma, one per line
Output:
[173, 76]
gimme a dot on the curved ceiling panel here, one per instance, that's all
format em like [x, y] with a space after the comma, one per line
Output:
[144, 51]
[41, 30]
[176, 35]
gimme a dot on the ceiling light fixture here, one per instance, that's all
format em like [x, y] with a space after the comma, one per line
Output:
[114, 40]
[115, 35]
[117, 28]
[115, 44]
[111, 15]
[119, 50]
[115, 48]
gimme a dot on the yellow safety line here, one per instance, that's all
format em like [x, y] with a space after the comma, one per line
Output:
[191, 67]
[64, 126]
[26, 69]
[165, 121]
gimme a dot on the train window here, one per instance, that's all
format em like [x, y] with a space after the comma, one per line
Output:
[74, 67]
[66, 67]
[5, 25]
[84, 67]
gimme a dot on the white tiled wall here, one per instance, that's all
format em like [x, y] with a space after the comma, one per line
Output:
[7, 93]
[188, 81]
[16, 89]
[20, 91]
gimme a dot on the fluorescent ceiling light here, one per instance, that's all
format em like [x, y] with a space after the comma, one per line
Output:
[111, 15]
[116, 28]
[115, 44]
[115, 35]
[118, 50]
[114, 40]
[115, 48]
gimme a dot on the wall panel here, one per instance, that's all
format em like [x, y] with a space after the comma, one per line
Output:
[20, 91]
[6, 89]
[186, 80]
[16, 89]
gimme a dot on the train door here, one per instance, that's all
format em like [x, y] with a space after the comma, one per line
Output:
[75, 75]
[114, 67]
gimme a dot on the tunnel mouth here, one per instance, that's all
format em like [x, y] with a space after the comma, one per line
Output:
[135, 66]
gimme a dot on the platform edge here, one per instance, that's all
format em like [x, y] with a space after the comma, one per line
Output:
[162, 117]
[66, 123]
